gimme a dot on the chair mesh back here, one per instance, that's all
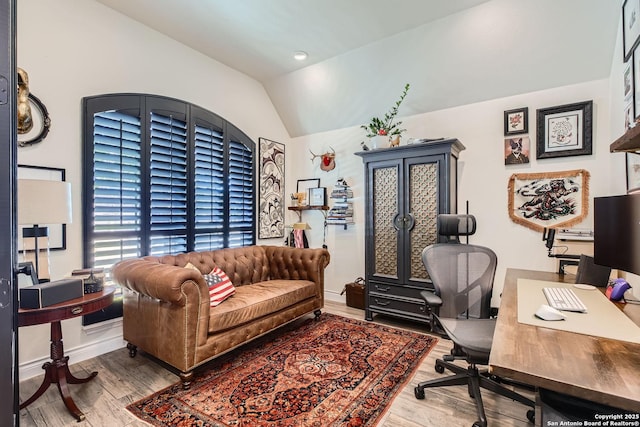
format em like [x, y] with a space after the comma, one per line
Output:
[463, 277]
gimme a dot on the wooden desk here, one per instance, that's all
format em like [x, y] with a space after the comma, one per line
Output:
[593, 368]
[57, 371]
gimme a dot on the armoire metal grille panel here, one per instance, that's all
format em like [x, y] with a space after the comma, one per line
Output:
[423, 205]
[385, 184]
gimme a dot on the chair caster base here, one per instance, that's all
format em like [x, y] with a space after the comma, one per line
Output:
[531, 415]
[419, 393]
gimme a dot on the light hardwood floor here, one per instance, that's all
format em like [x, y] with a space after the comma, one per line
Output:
[123, 380]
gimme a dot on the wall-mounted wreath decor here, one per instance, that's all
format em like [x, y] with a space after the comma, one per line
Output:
[33, 117]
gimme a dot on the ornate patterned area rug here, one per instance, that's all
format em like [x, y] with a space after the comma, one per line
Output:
[331, 372]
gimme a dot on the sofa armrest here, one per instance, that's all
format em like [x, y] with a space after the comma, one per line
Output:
[166, 311]
[161, 281]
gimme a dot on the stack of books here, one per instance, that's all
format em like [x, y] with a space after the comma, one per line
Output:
[342, 210]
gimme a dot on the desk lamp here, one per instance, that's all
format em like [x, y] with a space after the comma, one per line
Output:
[42, 203]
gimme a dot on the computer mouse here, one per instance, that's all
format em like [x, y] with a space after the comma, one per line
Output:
[546, 312]
[620, 286]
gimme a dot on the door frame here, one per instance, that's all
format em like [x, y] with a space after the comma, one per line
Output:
[9, 381]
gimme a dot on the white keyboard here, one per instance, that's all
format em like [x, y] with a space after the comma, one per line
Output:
[564, 299]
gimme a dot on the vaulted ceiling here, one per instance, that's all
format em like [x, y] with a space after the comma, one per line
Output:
[363, 52]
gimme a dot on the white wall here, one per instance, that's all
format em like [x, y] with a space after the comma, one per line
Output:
[483, 177]
[77, 48]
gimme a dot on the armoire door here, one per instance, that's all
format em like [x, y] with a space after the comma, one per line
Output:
[386, 211]
[423, 193]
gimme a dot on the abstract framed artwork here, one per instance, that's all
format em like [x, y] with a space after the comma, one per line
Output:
[271, 187]
[564, 130]
[57, 232]
[549, 199]
[630, 27]
[516, 121]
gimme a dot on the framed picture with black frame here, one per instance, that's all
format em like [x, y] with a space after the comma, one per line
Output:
[633, 172]
[636, 82]
[57, 232]
[564, 130]
[630, 27]
[516, 121]
[318, 196]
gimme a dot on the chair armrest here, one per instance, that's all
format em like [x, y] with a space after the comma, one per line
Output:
[431, 298]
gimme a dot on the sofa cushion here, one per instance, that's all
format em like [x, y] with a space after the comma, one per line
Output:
[220, 287]
[254, 301]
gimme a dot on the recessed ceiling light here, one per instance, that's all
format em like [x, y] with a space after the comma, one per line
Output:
[300, 55]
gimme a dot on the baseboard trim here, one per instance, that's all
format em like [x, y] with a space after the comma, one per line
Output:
[334, 296]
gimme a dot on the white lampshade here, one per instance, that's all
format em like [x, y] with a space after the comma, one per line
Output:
[44, 202]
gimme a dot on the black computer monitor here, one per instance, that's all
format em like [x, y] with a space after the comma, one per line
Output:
[616, 232]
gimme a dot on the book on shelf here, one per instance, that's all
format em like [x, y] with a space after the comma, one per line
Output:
[341, 193]
[340, 221]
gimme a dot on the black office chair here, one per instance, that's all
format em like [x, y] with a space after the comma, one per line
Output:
[462, 275]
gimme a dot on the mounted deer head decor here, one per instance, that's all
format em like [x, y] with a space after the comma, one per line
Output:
[328, 160]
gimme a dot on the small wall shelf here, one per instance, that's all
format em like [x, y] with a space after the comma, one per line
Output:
[299, 209]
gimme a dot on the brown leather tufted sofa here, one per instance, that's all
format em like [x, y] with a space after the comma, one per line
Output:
[166, 306]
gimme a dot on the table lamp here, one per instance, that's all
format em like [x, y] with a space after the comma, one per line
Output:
[41, 203]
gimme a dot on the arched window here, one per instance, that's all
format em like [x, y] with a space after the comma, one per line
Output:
[163, 176]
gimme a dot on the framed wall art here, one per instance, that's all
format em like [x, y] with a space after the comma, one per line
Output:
[549, 199]
[318, 196]
[628, 114]
[516, 121]
[564, 130]
[517, 150]
[57, 232]
[633, 173]
[271, 198]
[630, 27]
[627, 77]
[302, 189]
[636, 82]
